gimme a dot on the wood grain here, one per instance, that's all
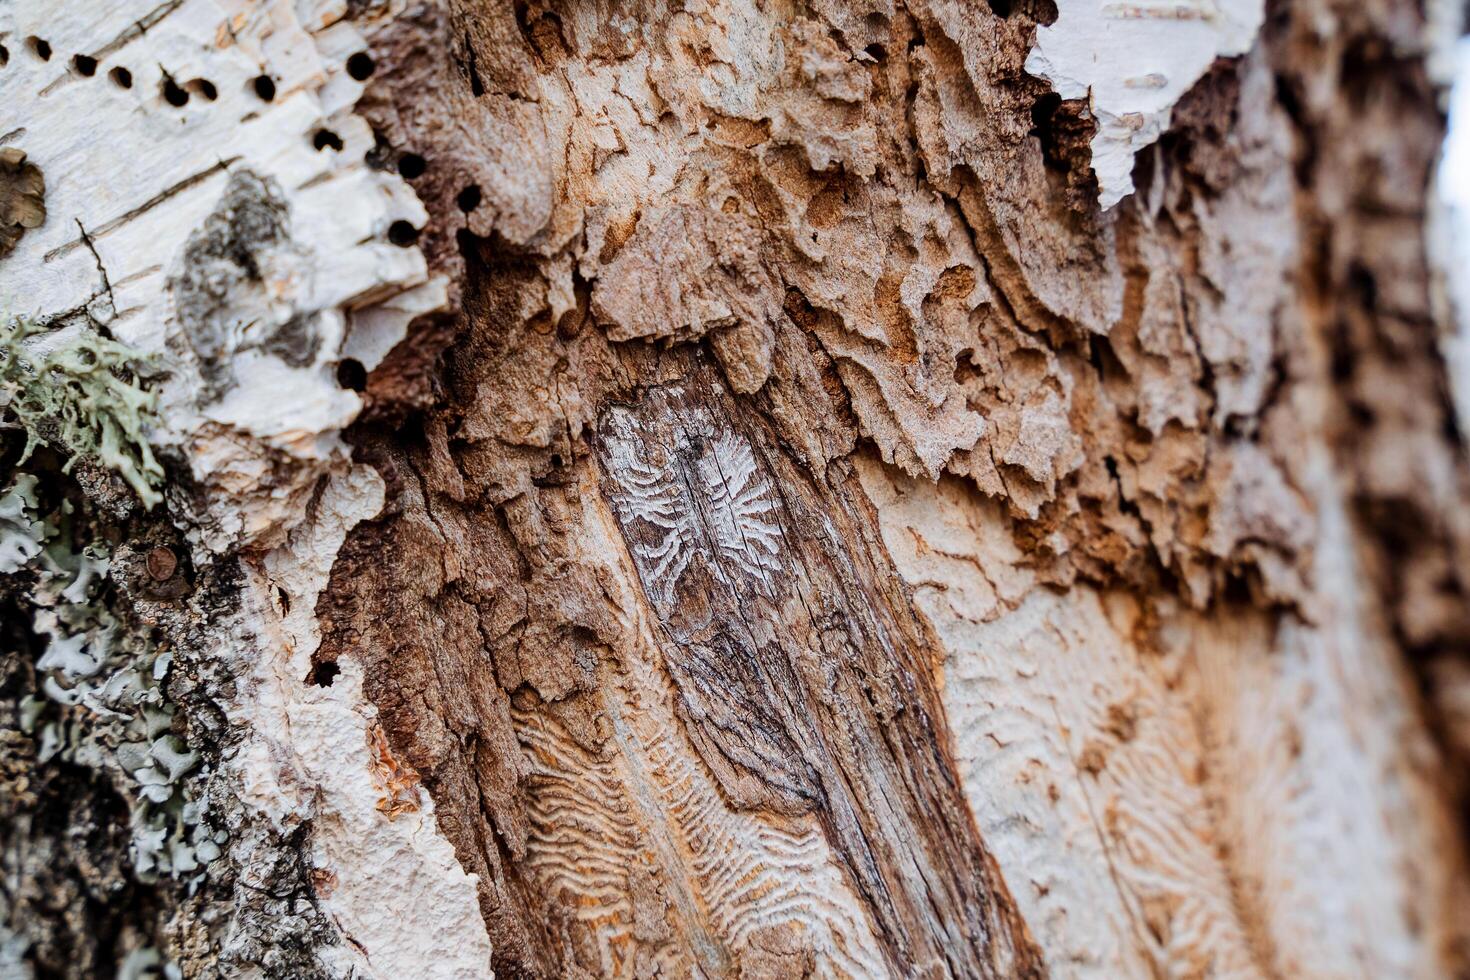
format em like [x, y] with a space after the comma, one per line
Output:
[802, 676]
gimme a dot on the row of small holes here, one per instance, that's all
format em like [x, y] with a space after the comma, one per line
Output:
[350, 372]
[179, 97]
[360, 66]
[411, 166]
[83, 64]
[86, 66]
[404, 234]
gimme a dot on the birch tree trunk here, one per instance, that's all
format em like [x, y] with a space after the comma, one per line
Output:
[717, 488]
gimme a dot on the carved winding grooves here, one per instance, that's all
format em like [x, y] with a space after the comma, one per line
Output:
[802, 673]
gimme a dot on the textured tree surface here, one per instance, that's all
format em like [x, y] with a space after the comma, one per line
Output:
[715, 488]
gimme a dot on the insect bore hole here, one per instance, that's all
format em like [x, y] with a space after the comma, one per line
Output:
[469, 198]
[121, 77]
[325, 138]
[411, 166]
[360, 66]
[84, 65]
[324, 673]
[351, 374]
[402, 234]
[174, 95]
[265, 87]
[39, 47]
[203, 88]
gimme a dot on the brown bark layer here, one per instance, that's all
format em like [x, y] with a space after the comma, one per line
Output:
[891, 237]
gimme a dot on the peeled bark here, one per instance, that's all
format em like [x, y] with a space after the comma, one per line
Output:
[729, 489]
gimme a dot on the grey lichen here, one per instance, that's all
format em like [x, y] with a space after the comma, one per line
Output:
[220, 286]
[146, 963]
[98, 789]
[113, 726]
[21, 535]
[83, 399]
[104, 703]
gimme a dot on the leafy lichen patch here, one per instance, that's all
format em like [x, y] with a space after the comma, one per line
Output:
[82, 398]
[103, 702]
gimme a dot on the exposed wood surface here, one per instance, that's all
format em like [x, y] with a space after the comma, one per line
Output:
[756, 489]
